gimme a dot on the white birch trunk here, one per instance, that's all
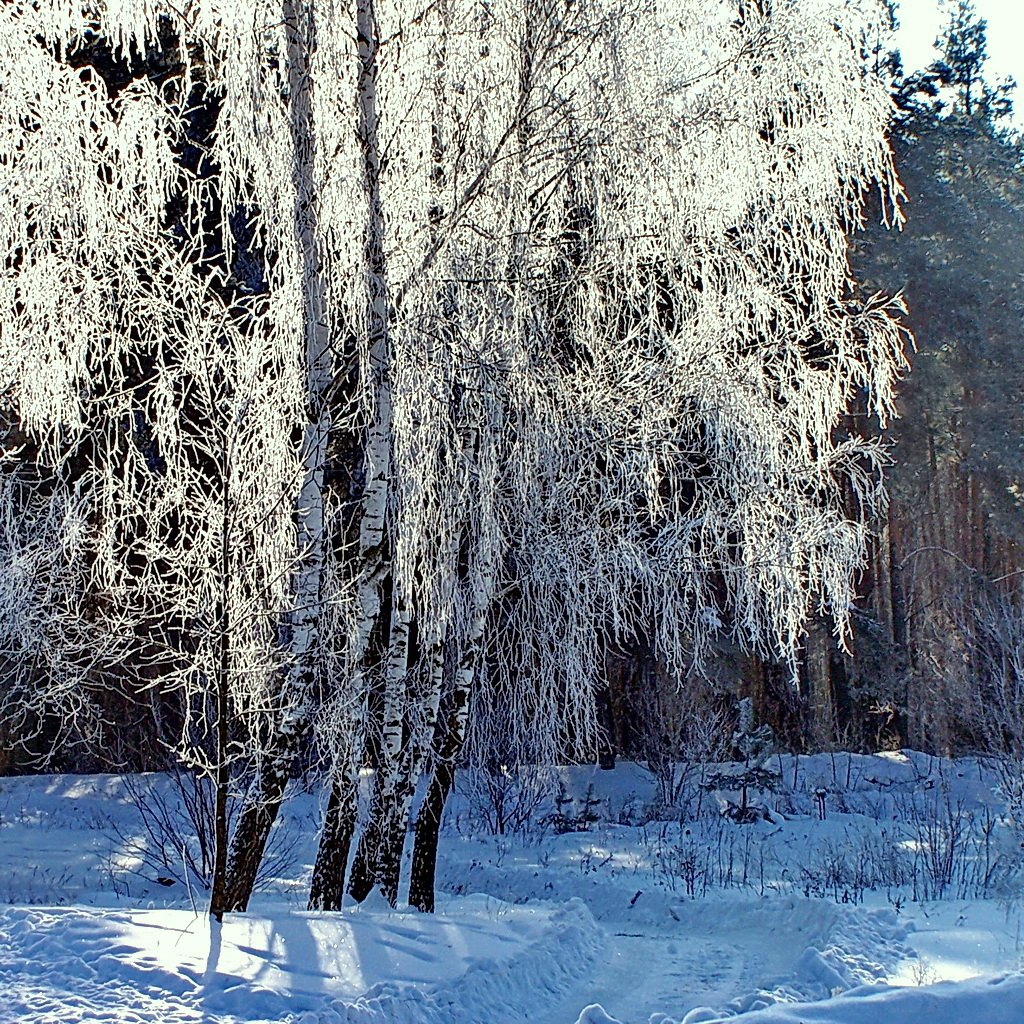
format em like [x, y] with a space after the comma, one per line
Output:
[374, 541]
[295, 701]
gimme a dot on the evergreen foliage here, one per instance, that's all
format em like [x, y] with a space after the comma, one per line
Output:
[954, 85]
[952, 534]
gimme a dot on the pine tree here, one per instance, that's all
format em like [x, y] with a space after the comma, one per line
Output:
[955, 84]
[953, 525]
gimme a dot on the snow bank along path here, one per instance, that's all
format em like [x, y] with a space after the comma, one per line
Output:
[734, 954]
[468, 965]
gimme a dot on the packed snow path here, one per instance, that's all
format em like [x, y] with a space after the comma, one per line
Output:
[672, 955]
[638, 972]
[672, 968]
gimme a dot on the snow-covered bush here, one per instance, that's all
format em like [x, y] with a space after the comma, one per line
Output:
[686, 732]
[501, 799]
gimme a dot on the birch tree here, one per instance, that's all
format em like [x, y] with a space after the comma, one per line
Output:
[173, 393]
[560, 286]
[648, 276]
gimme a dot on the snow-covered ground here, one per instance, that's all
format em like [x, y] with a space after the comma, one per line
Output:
[902, 904]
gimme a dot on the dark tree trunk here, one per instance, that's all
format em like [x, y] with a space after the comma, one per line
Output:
[428, 832]
[252, 830]
[328, 883]
[378, 859]
[391, 848]
[363, 875]
[606, 729]
[218, 894]
[900, 626]
[449, 735]
[222, 779]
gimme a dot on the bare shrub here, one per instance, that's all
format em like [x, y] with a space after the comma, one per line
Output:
[173, 838]
[686, 732]
[501, 799]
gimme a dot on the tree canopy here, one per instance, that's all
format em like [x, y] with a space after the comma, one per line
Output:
[383, 358]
